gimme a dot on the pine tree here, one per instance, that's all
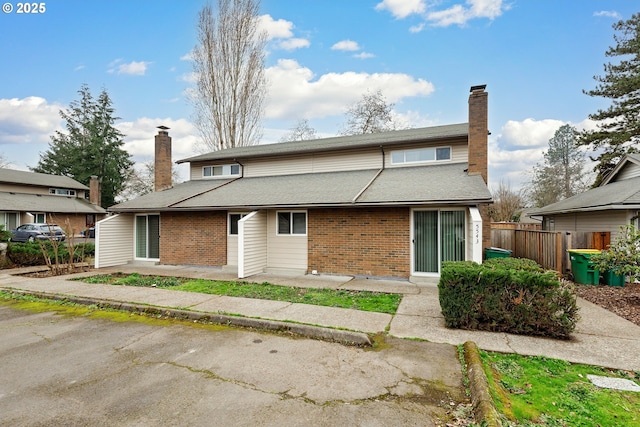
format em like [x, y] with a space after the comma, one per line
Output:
[90, 146]
[618, 128]
[561, 174]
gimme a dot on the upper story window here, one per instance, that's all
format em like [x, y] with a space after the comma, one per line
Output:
[421, 155]
[220, 170]
[62, 191]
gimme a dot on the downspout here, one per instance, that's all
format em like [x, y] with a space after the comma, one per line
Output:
[372, 179]
[241, 168]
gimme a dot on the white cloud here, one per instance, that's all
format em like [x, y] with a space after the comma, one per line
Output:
[295, 93]
[28, 120]
[275, 29]
[608, 14]
[348, 45]
[187, 56]
[364, 55]
[457, 14]
[530, 132]
[293, 43]
[133, 68]
[402, 8]
[79, 67]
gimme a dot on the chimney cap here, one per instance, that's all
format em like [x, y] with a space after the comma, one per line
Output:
[162, 127]
[478, 88]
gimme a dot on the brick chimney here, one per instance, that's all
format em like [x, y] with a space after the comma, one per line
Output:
[478, 149]
[478, 132]
[95, 193]
[162, 166]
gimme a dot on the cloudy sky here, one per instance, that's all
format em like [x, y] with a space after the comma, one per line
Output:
[535, 56]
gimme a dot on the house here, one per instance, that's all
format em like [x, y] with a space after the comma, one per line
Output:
[39, 197]
[393, 204]
[614, 203]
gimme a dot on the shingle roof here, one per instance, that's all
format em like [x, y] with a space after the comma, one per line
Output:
[39, 179]
[337, 143]
[616, 195]
[22, 202]
[443, 184]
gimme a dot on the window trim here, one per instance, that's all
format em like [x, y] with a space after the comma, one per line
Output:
[411, 162]
[242, 215]
[222, 175]
[62, 192]
[291, 233]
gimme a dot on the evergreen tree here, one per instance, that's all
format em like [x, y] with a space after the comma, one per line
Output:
[561, 174]
[618, 128]
[90, 146]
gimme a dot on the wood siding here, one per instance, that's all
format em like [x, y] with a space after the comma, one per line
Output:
[252, 236]
[286, 252]
[114, 241]
[631, 170]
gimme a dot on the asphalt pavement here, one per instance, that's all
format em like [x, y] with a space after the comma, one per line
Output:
[601, 338]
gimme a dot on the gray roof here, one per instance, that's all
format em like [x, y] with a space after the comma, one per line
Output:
[616, 195]
[39, 179]
[21, 202]
[337, 143]
[424, 185]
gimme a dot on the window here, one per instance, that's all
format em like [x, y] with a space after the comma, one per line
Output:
[62, 192]
[292, 223]
[233, 222]
[420, 155]
[221, 170]
[39, 218]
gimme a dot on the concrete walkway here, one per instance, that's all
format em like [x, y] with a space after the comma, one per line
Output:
[601, 338]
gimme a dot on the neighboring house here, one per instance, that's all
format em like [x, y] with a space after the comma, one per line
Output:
[39, 197]
[393, 204]
[614, 203]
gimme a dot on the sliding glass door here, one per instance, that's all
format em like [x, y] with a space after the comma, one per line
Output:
[437, 236]
[148, 236]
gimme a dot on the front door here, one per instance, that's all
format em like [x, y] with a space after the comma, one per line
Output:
[438, 235]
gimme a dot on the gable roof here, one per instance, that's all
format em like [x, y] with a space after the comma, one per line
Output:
[421, 185]
[629, 160]
[623, 194]
[337, 143]
[22, 202]
[39, 179]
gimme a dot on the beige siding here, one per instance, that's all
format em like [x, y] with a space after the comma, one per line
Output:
[232, 249]
[631, 170]
[114, 240]
[252, 248]
[459, 151]
[286, 252]
[593, 221]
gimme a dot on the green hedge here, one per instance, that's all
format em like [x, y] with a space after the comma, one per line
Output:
[30, 253]
[507, 296]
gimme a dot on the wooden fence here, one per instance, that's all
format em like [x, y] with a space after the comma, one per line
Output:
[548, 248]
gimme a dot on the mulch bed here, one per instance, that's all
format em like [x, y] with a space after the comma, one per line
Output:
[621, 300]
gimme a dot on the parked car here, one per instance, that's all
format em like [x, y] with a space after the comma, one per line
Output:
[33, 232]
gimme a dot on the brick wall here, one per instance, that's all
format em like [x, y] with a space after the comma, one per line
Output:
[162, 166]
[370, 242]
[76, 222]
[194, 238]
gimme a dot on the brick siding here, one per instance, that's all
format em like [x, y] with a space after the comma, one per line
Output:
[194, 238]
[70, 223]
[369, 242]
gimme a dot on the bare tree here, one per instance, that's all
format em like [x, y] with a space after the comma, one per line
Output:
[141, 182]
[507, 203]
[228, 63]
[3, 161]
[300, 132]
[371, 114]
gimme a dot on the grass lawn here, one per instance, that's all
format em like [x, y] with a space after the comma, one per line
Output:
[549, 392]
[359, 300]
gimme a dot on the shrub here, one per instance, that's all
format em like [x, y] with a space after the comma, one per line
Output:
[31, 253]
[493, 298]
[4, 234]
[521, 264]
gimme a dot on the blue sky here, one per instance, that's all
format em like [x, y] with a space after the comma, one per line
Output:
[535, 56]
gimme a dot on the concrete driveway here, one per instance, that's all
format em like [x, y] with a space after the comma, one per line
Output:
[60, 370]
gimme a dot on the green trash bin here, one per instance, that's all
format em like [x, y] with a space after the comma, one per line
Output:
[610, 278]
[496, 253]
[581, 268]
